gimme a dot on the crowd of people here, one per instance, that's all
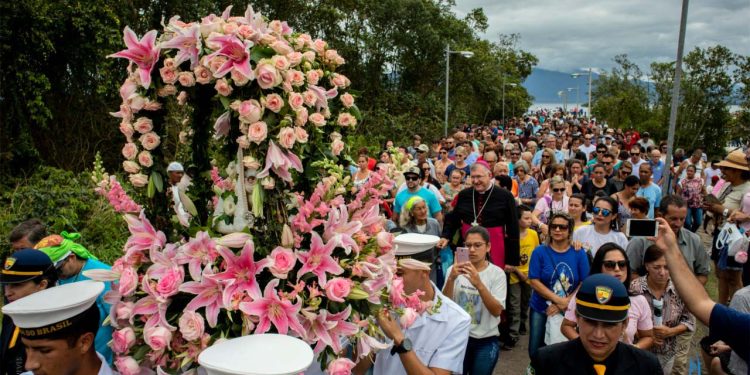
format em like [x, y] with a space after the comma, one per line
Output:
[530, 219]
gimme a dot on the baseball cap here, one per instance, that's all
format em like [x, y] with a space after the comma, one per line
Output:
[603, 298]
[412, 170]
[25, 265]
[423, 148]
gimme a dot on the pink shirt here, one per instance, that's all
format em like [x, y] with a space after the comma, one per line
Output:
[639, 317]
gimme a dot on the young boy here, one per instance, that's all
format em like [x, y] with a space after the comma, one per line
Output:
[519, 290]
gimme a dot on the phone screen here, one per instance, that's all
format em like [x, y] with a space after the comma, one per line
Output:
[642, 228]
[462, 254]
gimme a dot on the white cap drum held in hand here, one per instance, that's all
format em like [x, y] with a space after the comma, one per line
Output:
[266, 354]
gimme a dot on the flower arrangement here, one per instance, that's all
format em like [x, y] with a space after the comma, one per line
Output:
[280, 247]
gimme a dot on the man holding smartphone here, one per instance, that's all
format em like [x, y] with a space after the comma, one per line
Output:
[674, 210]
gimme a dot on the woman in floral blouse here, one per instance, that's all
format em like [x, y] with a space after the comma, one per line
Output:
[693, 189]
[674, 315]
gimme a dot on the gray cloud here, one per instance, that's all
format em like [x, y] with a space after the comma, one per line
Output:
[571, 34]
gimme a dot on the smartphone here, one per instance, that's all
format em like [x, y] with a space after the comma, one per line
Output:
[710, 198]
[642, 228]
[462, 254]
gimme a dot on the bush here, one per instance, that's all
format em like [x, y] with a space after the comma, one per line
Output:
[65, 201]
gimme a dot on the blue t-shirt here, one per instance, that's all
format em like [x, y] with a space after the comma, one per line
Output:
[560, 272]
[652, 193]
[433, 204]
[732, 327]
[104, 335]
[657, 170]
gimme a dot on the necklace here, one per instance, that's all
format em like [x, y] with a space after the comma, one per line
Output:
[474, 206]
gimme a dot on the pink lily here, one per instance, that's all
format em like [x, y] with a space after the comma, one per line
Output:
[318, 260]
[322, 96]
[339, 230]
[280, 161]
[198, 252]
[366, 344]
[327, 329]
[143, 236]
[156, 312]
[188, 41]
[144, 53]
[272, 309]
[208, 294]
[237, 53]
[222, 125]
[240, 272]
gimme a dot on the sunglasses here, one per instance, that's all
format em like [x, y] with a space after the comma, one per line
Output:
[558, 190]
[610, 264]
[603, 211]
[606, 163]
[625, 171]
[412, 178]
[635, 154]
[561, 227]
[515, 153]
[545, 156]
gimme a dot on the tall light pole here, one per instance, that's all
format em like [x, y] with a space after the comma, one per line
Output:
[564, 96]
[448, 53]
[576, 75]
[505, 84]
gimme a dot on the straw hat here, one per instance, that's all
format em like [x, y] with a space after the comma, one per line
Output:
[736, 159]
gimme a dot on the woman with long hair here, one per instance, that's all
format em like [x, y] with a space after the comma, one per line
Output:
[557, 202]
[577, 210]
[576, 176]
[362, 174]
[603, 228]
[557, 170]
[555, 271]
[441, 164]
[613, 260]
[598, 185]
[671, 316]
[624, 197]
[541, 172]
[460, 162]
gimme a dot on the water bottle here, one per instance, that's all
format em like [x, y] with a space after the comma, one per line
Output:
[658, 307]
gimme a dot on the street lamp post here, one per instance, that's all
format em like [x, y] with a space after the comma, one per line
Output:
[576, 75]
[506, 84]
[564, 96]
[448, 53]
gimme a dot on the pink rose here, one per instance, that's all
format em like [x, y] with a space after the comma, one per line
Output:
[408, 317]
[304, 39]
[182, 98]
[240, 79]
[223, 87]
[145, 159]
[346, 119]
[282, 261]
[347, 99]
[127, 130]
[150, 141]
[129, 151]
[257, 132]
[169, 63]
[340, 80]
[157, 338]
[216, 62]
[131, 166]
[310, 98]
[286, 137]
[186, 79]
[308, 56]
[251, 163]
[301, 118]
[250, 111]
[124, 310]
[230, 28]
[151, 106]
[384, 240]
[267, 75]
[300, 134]
[296, 101]
[313, 76]
[281, 47]
[143, 125]
[169, 284]
[295, 78]
[168, 75]
[191, 325]
[280, 62]
[246, 31]
[294, 58]
[267, 39]
[138, 179]
[274, 103]
[243, 142]
[333, 57]
[202, 75]
[340, 366]
[317, 119]
[123, 340]
[338, 288]
[319, 46]
[337, 146]
[167, 90]
[127, 366]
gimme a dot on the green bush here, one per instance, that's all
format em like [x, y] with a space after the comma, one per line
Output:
[65, 201]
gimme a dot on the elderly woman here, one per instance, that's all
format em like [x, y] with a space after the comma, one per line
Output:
[415, 219]
[671, 316]
[527, 185]
[492, 207]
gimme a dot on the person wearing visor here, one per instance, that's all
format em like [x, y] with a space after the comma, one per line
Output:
[57, 327]
[434, 342]
[25, 272]
[71, 260]
[602, 305]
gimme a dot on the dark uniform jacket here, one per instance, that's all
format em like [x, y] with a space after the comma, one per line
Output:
[11, 359]
[571, 358]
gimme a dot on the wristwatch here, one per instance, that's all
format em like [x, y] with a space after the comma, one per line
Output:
[404, 347]
[726, 212]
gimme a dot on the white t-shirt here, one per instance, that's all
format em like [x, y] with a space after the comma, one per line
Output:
[592, 240]
[710, 173]
[587, 149]
[483, 323]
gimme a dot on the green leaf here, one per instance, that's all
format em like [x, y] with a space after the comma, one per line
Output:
[158, 181]
[151, 189]
[224, 102]
[258, 53]
[356, 113]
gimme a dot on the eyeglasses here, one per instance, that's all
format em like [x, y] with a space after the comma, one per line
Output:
[412, 178]
[558, 190]
[545, 156]
[560, 227]
[606, 163]
[515, 153]
[635, 154]
[625, 171]
[600, 151]
[611, 264]
[603, 211]
[475, 245]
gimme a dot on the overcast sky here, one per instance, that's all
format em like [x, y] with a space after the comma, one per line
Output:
[569, 34]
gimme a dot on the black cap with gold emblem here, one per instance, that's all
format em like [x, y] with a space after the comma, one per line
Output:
[25, 265]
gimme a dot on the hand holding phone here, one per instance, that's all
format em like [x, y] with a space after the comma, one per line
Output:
[642, 228]
[462, 255]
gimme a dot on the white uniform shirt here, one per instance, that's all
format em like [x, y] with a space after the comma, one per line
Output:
[104, 369]
[439, 340]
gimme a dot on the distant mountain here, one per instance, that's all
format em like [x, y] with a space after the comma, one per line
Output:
[544, 85]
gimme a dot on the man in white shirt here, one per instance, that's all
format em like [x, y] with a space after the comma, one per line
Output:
[635, 159]
[587, 147]
[645, 141]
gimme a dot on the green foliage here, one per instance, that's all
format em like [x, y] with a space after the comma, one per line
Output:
[63, 200]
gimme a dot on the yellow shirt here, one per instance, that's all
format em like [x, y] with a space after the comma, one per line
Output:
[582, 224]
[527, 244]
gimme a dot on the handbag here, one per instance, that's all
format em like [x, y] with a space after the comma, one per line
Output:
[552, 333]
[730, 237]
